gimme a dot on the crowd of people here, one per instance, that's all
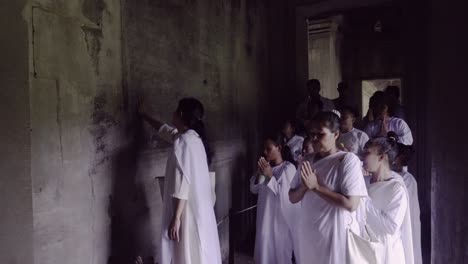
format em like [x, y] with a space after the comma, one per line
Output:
[325, 178]
[326, 173]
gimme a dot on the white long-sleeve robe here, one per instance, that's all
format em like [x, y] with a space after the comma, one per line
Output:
[275, 213]
[187, 178]
[397, 125]
[412, 187]
[389, 216]
[354, 141]
[295, 145]
[320, 234]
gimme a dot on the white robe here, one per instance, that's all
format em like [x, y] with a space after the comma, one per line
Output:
[273, 238]
[321, 226]
[397, 125]
[295, 145]
[187, 178]
[389, 217]
[412, 187]
[354, 141]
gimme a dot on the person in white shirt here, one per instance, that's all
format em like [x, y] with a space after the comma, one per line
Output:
[351, 139]
[387, 208]
[275, 214]
[329, 186]
[383, 122]
[291, 139]
[190, 233]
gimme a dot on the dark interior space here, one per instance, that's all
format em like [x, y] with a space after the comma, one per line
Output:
[81, 175]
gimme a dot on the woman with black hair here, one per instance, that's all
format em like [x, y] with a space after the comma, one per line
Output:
[384, 122]
[387, 209]
[329, 186]
[274, 235]
[190, 233]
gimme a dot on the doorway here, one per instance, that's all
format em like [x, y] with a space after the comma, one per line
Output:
[369, 87]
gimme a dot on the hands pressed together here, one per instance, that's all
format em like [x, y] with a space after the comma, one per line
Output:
[264, 168]
[308, 177]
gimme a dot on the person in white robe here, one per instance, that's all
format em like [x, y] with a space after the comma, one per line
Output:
[292, 140]
[275, 214]
[401, 167]
[387, 208]
[190, 234]
[351, 139]
[384, 123]
[328, 186]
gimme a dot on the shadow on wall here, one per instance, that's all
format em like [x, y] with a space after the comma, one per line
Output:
[129, 210]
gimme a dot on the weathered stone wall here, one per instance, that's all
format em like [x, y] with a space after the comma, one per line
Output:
[76, 126]
[215, 51]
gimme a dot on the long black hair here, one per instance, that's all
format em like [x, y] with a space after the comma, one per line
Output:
[191, 111]
[285, 150]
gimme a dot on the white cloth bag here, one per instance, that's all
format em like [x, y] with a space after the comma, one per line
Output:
[365, 249]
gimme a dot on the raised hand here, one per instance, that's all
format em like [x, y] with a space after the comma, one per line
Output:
[308, 176]
[384, 127]
[265, 167]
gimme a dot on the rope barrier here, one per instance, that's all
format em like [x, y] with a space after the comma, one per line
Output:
[237, 213]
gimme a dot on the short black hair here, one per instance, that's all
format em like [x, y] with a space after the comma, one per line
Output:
[328, 119]
[351, 110]
[313, 82]
[277, 140]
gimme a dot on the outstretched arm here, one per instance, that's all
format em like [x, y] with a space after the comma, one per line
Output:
[142, 111]
[156, 124]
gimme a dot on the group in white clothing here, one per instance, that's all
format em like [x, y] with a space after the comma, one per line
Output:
[333, 195]
[310, 185]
